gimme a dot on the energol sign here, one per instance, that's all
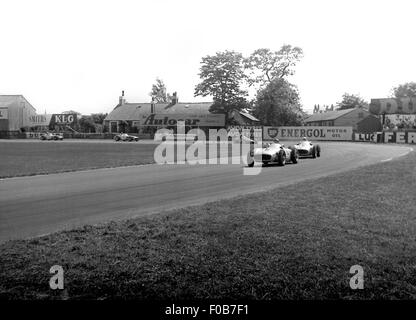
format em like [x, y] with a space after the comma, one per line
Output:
[312, 132]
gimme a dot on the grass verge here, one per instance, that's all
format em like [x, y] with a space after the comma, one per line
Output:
[297, 242]
[35, 157]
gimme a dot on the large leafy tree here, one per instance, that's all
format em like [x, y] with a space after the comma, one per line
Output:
[350, 101]
[405, 90]
[98, 118]
[278, 104]
[159, 93]
[265, 65]
[86, 124]
[222, 77]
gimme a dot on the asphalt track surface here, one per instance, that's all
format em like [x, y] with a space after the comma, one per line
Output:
[37, 205]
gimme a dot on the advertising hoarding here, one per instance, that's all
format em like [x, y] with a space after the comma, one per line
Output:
[393, 106]
[311, 132]
[194, 120]
[247, 131]
[4, 113]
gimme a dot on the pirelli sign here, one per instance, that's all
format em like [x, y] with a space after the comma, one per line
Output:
[312, 132]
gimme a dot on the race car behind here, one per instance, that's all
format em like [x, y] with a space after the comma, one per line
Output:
[51, 136]
[125, 137]
[306, 148]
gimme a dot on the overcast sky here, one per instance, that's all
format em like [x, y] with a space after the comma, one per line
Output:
[79, 55]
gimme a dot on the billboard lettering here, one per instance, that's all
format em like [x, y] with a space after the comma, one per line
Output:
[313, 132]
[194, 120]
[4, 113]
[393, 106]
[399, 137]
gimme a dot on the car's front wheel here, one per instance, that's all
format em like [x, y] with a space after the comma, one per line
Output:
[250, 160]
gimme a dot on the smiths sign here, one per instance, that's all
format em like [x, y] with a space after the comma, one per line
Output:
[393, 106]
[4, 113]
[315, 133]
[58, 119]
[194, 120]
[40, 120]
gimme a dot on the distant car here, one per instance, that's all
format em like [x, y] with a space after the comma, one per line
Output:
[274, 152]
[125, 137]
[308, 149]
[51, 136]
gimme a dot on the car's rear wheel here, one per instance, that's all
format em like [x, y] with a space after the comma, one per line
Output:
[313, 153]
[116, 138]
[318, 151]
[294, 156]
[281, 158]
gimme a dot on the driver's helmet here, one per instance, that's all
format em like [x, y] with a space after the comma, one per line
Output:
[276, 140]
[304, 139]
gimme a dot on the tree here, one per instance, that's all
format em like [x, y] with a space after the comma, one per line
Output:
[159, 93]
[265, 65]
[98, 118]
[86, 124]
[405, 90]
[350, 101]
[222, 77]
[278, 104]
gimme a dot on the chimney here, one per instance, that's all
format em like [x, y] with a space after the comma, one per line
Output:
[174, 99]
[121, 99]
[152, 106]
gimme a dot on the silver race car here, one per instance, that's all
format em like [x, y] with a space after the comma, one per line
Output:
[306, 148]
[273, 152]
[51, 136]
[125, 137]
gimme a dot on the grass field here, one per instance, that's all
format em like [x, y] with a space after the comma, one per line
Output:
[23, 158]
[296, 242]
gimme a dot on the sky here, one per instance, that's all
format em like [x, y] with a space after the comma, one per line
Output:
[80, 55]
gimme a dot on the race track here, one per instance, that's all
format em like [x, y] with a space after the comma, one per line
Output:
[36, 205]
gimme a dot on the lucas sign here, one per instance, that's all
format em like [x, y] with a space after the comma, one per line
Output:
[313, 133]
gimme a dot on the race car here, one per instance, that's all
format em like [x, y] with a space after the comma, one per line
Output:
[274, 152]
[306, 148]
[51, 136]
[125, 137]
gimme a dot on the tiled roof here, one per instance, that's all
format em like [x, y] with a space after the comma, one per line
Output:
[133, 111]
[326, 116]
[7, 99]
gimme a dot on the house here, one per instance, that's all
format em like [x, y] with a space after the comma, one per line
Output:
[15, 112]
[342, 118]
[148, 117]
